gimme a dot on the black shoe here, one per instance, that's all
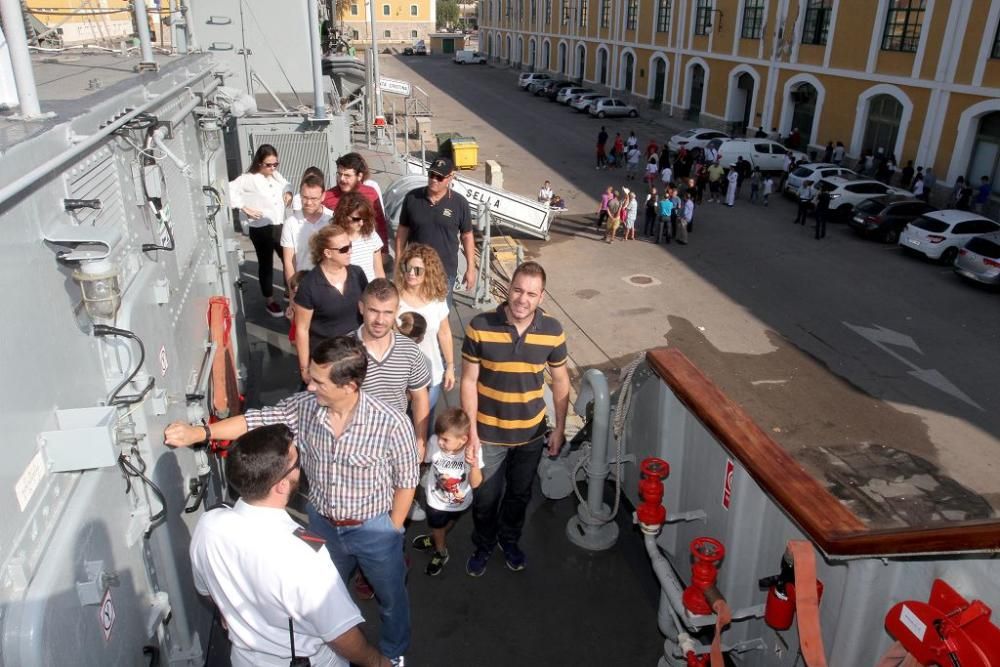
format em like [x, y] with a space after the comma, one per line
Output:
[437, 563]
[422, 543]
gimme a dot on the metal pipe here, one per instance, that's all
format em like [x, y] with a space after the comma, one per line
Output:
[316, 57]
[20, 58]
[142, 28]
[22, 183]
[375, 74]
[598, 468]
[669, 582]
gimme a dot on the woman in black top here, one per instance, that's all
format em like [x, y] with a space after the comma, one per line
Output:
[326, 303]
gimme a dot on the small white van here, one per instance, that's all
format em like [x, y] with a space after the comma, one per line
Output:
[467, 56]
[765, 154]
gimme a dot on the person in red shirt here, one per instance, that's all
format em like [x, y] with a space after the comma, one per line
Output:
[351, 169]
[652, 148]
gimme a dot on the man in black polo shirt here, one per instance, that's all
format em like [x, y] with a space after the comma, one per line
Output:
[504, 356]
[437, 216]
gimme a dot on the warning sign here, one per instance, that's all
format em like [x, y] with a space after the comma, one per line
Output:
[727, 487]
[107, 614]
[164, 365]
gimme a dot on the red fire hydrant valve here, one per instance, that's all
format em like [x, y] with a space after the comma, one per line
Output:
[707, 553]
[651, 513]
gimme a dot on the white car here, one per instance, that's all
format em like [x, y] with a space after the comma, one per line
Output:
[941, 234]
[696, 138]
[846, 194]
[979, 260]
[565, 95]
[582, 102]
[528, 77]
[764, 154]
[814, 172]
[605, 106]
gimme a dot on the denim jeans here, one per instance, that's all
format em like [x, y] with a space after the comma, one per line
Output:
[377, 547]
[500, 502]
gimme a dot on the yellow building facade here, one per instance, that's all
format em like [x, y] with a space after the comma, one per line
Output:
[917, 78]
[101, 22]
[397, 21]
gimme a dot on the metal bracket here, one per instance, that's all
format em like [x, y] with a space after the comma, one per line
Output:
[92, 591]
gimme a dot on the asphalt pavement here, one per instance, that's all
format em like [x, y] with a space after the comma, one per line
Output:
[834, 346]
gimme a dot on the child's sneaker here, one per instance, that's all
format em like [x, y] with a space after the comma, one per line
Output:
[437, 563]
[422, 543]
[514, 557]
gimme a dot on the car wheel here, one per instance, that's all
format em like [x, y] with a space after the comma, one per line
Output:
[633, 114]
[891, 235]
[600, 114]
[949, 255]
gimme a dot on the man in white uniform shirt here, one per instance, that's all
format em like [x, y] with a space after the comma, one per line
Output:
[301, 225]
[278, 591]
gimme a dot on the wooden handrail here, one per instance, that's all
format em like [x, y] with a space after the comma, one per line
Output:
[828, 522]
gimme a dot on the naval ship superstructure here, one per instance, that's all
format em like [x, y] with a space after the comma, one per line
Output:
[125, 311]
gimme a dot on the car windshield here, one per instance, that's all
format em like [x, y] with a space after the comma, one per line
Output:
[930, 224]
[871, 206]
[802, 172]
[688, 133]
[984, 247]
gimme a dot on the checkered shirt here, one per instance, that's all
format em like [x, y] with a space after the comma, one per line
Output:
[353, 476]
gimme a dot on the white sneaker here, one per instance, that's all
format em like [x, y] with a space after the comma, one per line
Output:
[417, 512]
[398, 662]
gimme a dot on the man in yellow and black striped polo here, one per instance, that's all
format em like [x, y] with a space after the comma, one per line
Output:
[504, 358]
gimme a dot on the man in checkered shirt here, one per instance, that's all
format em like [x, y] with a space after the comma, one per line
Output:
[361, 460]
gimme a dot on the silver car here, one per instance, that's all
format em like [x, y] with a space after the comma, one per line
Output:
[582, 102]
[979, 260]
[605, 106]
[566, 95]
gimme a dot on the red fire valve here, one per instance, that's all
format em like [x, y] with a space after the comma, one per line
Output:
[946, 630]
[707, 553]
[695, 660]
[651, 512]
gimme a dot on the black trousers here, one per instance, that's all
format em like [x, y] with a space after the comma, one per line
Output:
[821, 215]
[266, 241]
[804, 205]
[500, 502]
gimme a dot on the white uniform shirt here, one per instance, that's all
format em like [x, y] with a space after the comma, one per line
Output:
[250, 562]
[264, 193]
[297, 232]
[667, 175]
[447, 481]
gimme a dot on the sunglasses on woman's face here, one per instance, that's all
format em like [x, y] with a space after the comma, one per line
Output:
[342, 250]
[415, 270]
[357, 218]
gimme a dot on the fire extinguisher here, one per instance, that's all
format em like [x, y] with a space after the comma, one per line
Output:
[779, 609]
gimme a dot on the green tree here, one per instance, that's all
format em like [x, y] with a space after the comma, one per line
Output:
[447, 13]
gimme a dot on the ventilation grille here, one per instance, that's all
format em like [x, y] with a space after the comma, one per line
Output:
[296, 152]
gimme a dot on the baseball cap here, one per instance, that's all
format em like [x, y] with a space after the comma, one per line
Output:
[442, 166]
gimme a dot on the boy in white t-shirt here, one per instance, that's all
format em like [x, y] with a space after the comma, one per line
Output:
[455, 470]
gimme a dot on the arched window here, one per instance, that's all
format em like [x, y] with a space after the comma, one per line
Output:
[602, 66]
[546, 55]
[803, 100]
[628, 72]
[985, 160]
[882, 128]
[581, 61]
[562, 58]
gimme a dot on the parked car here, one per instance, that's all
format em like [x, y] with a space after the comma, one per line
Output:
[605, 106]
[885, 217]
[474, 57]
[846, 194]
[566, 95]
[696, 138]
[941, 234]
[582, 102]
[420, 48]
[764, 154]
[528, 77]
[979, 260]
[813, 172]
[552, 85]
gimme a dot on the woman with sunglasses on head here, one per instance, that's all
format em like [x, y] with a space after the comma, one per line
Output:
[423, 289]
[326, 302]
[355, 214]
[261, 196]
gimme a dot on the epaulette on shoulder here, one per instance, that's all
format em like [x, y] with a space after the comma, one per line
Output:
[312, 539]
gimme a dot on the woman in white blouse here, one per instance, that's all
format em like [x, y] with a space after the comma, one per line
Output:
[423, 289]
[261, 195]
[355, 213]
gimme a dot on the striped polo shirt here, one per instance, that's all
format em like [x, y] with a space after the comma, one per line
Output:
[403, 368]
[511, 374]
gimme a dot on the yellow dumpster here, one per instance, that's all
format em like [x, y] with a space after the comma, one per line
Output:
[465, 152]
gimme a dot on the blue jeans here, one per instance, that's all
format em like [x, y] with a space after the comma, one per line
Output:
[377, 547]
[500, 502]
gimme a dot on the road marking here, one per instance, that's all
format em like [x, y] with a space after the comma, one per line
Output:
[882, 338]
[755, 382]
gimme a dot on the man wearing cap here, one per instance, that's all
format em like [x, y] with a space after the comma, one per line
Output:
[438, 217]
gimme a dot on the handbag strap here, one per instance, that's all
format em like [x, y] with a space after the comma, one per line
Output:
[291, 637]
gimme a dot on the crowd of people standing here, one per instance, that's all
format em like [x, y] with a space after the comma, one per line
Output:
[375, 355]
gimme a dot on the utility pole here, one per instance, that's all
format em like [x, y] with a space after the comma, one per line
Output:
[379, 111]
